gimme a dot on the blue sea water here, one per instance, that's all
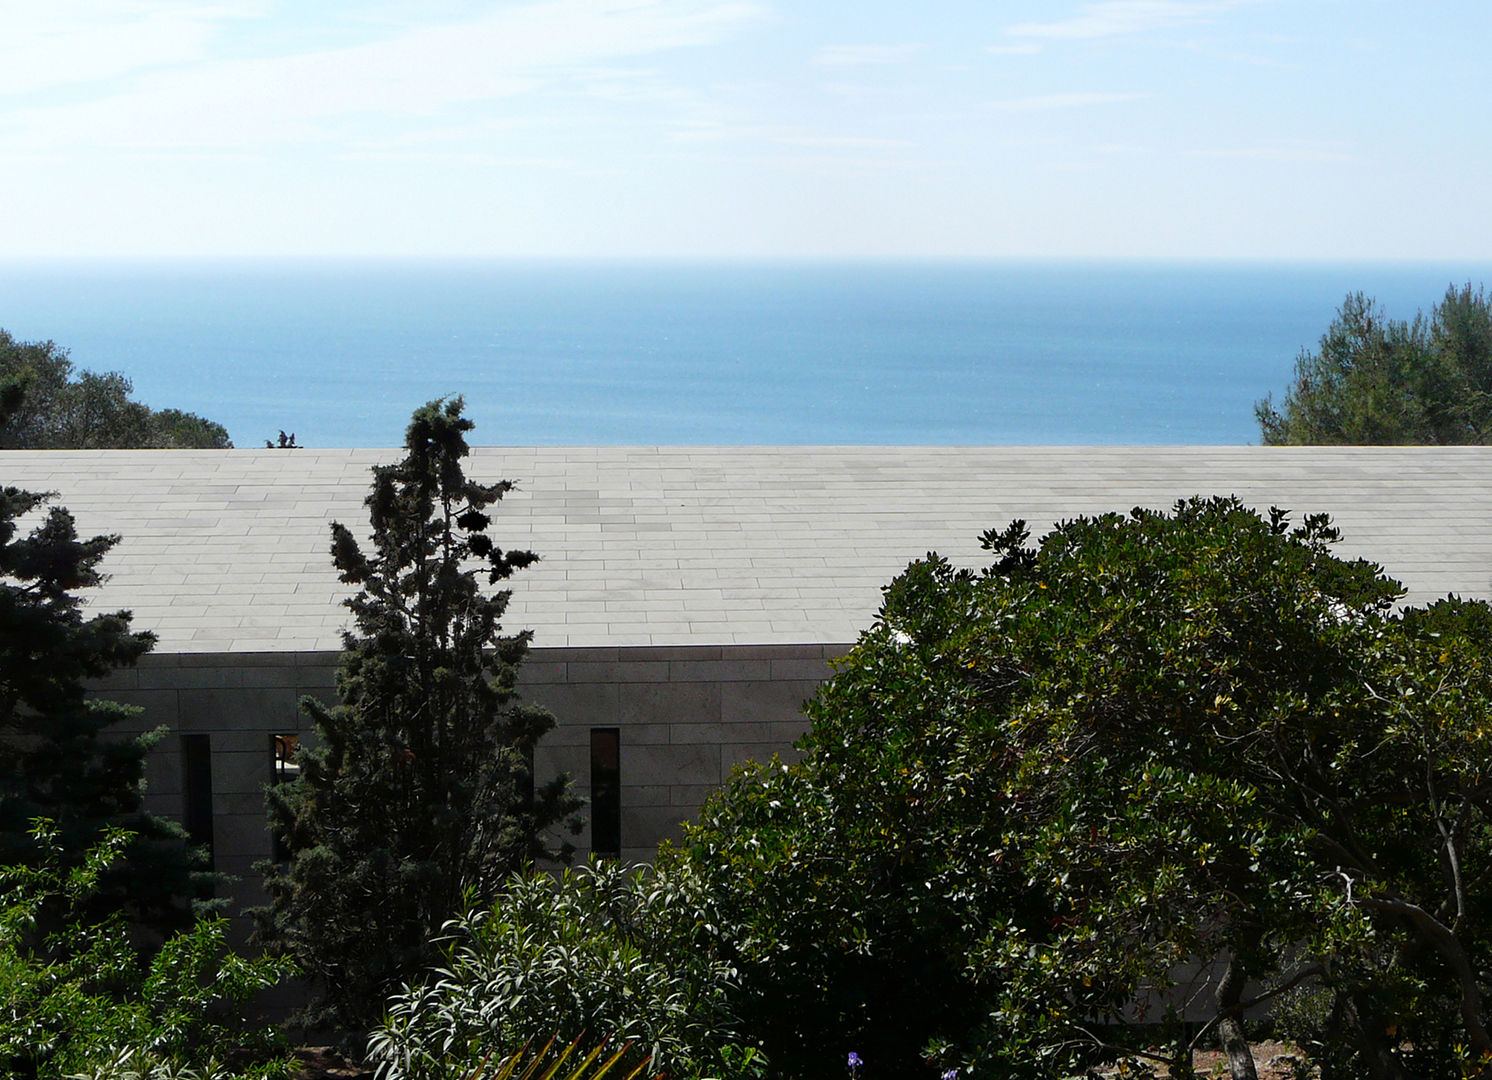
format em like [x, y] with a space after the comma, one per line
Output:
[701, 353]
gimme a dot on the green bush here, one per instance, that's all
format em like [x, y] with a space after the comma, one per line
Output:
[76, 999]
[602, 953]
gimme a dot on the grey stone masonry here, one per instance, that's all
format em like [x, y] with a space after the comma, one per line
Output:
[686, 716]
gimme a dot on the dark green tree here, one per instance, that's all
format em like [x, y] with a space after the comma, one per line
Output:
[1032, 795]
[420, 789]
[56, 757]
[44, 405]
[1374, 380]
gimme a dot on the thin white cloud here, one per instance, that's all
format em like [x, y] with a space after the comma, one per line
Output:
[1299, 154]
[1044, 102]
[459, 157]
[72, 42]
[418, 74]
[1115, 18]
[709, 132]
[847, 142]
[858, 55]
[848, 164]
[1026, 48]
[626, 84]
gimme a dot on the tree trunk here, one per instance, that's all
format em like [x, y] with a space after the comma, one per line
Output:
[1230, 1028]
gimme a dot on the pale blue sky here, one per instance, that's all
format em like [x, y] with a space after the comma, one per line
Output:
[1217, 128]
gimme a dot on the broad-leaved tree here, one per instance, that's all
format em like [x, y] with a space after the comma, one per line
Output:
[45, 405]
[1154, 760]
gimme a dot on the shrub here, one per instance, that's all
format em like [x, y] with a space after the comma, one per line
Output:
[601, 953]
[77, 1000]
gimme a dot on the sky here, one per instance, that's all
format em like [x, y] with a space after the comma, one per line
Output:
[1275, 129]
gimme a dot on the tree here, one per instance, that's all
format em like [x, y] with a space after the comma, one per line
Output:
[43, 407]
[1031, 794]
[56, 759]
[421, 788]
[1377, 381]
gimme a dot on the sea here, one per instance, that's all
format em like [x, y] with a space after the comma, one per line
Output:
[671, 352]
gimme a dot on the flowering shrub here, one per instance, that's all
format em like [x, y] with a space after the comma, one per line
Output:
[600, 952]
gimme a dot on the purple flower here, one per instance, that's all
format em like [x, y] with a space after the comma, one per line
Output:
[950, 1074]
[854, 1062]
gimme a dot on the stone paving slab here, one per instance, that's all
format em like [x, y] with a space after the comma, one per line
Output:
[227, 551]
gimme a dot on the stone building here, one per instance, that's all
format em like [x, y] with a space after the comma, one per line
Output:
[688, 601]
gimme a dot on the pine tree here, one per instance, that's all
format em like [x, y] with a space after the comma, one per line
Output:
[420, 787]
[56, 760]
[1376, 380]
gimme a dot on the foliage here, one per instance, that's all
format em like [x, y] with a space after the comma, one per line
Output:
[1407, 836]
[853, 890]
[56, 760]
[77, 1001]
[43, 407]
[420, 788]
[1030, 793]
[599, 952]
[1375, 380]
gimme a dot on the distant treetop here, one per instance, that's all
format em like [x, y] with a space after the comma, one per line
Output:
[1377, 381]
[44, 405]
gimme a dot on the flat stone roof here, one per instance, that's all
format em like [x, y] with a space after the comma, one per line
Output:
[227, 550]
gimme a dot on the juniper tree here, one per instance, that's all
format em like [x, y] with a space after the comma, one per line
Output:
[419, 788]
[56, 757]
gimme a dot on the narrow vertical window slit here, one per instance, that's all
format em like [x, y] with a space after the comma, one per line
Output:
[606, 793]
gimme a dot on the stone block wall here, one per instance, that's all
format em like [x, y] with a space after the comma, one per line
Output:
[685, 715]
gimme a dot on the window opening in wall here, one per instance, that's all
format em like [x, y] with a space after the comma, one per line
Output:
[283, 748]
[606, 793]
[196, 787]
